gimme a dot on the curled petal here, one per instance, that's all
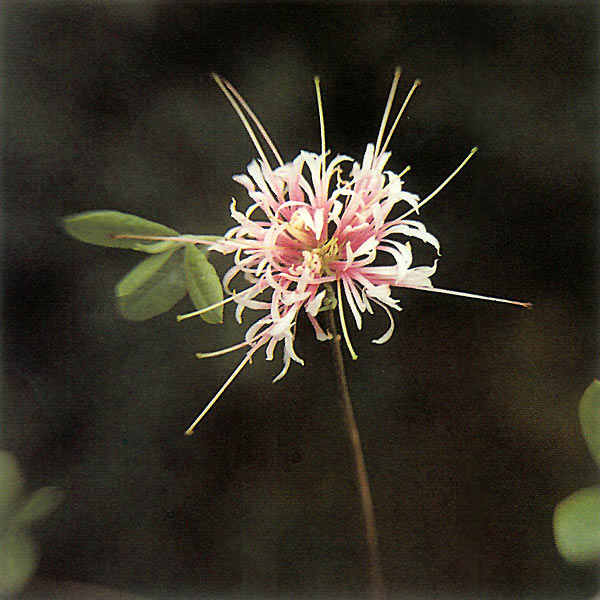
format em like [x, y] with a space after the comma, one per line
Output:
[419, 276]
[282, 373]
[388, 334]
[271, 348]
[312, 307]
[320, 334]
[245, 181]
[282, 326]
[414, 229]
[289, 349]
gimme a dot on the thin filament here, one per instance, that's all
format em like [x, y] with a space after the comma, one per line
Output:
[343, 322]
[321, 123]
[442, 185]
[388, 108]
[235, 373]
[166, 238]
[208, 308]
[527, 305]
[241, 115]
[226, 350]
[416, 84]
[257, 122]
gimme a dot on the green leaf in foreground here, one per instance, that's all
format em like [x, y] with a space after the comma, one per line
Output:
[577, 526]
[589, 417]
[99, 227]
[203, 283]
[159, 291]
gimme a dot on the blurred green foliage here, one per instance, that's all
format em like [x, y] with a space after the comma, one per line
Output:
[18, 512]
[577, 518]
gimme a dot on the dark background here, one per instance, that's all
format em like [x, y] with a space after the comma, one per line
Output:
[468, 415]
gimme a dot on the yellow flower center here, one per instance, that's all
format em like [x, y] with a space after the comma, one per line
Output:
[318, 258]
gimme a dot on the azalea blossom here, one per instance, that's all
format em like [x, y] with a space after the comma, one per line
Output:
[313, 236]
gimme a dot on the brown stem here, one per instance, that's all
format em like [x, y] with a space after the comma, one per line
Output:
[377, 588]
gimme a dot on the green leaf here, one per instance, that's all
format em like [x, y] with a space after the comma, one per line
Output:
[18, 560]
[160, 292]
[39, 504]
[577, 526]
[11, 486]
[99, 227]
[203, 283]
[140, 274]
[589, 417]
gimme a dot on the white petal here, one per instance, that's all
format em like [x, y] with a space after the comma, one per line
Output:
[367, 247]
[321, 335]
[388, 334]
[368, 157]
[270, 348]
[238, 313]
[282, 326]
[245, 181]
[286, 366]
[312, 307]
[412, 199]
[289, 349]
[351, 302]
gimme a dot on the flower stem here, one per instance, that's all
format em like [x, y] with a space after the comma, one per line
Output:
[377, 588]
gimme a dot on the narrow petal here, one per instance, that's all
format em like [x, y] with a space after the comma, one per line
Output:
[350, 297]
[388, 334]
[321, 335]
[286, 366]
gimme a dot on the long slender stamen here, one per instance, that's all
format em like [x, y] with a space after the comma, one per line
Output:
[206, 240]
[257, 122]
[388, 108]
[527, 305]
[416, 84]
[241, 115]
[226, 350]
[321, 124]
[440, 187]
[404, 171]
[343, 322]
[209, 308]
[235, 373]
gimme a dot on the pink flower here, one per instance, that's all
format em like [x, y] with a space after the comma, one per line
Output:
[311, 236]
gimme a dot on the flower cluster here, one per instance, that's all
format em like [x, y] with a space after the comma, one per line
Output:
[316, 231]
[311, 237]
